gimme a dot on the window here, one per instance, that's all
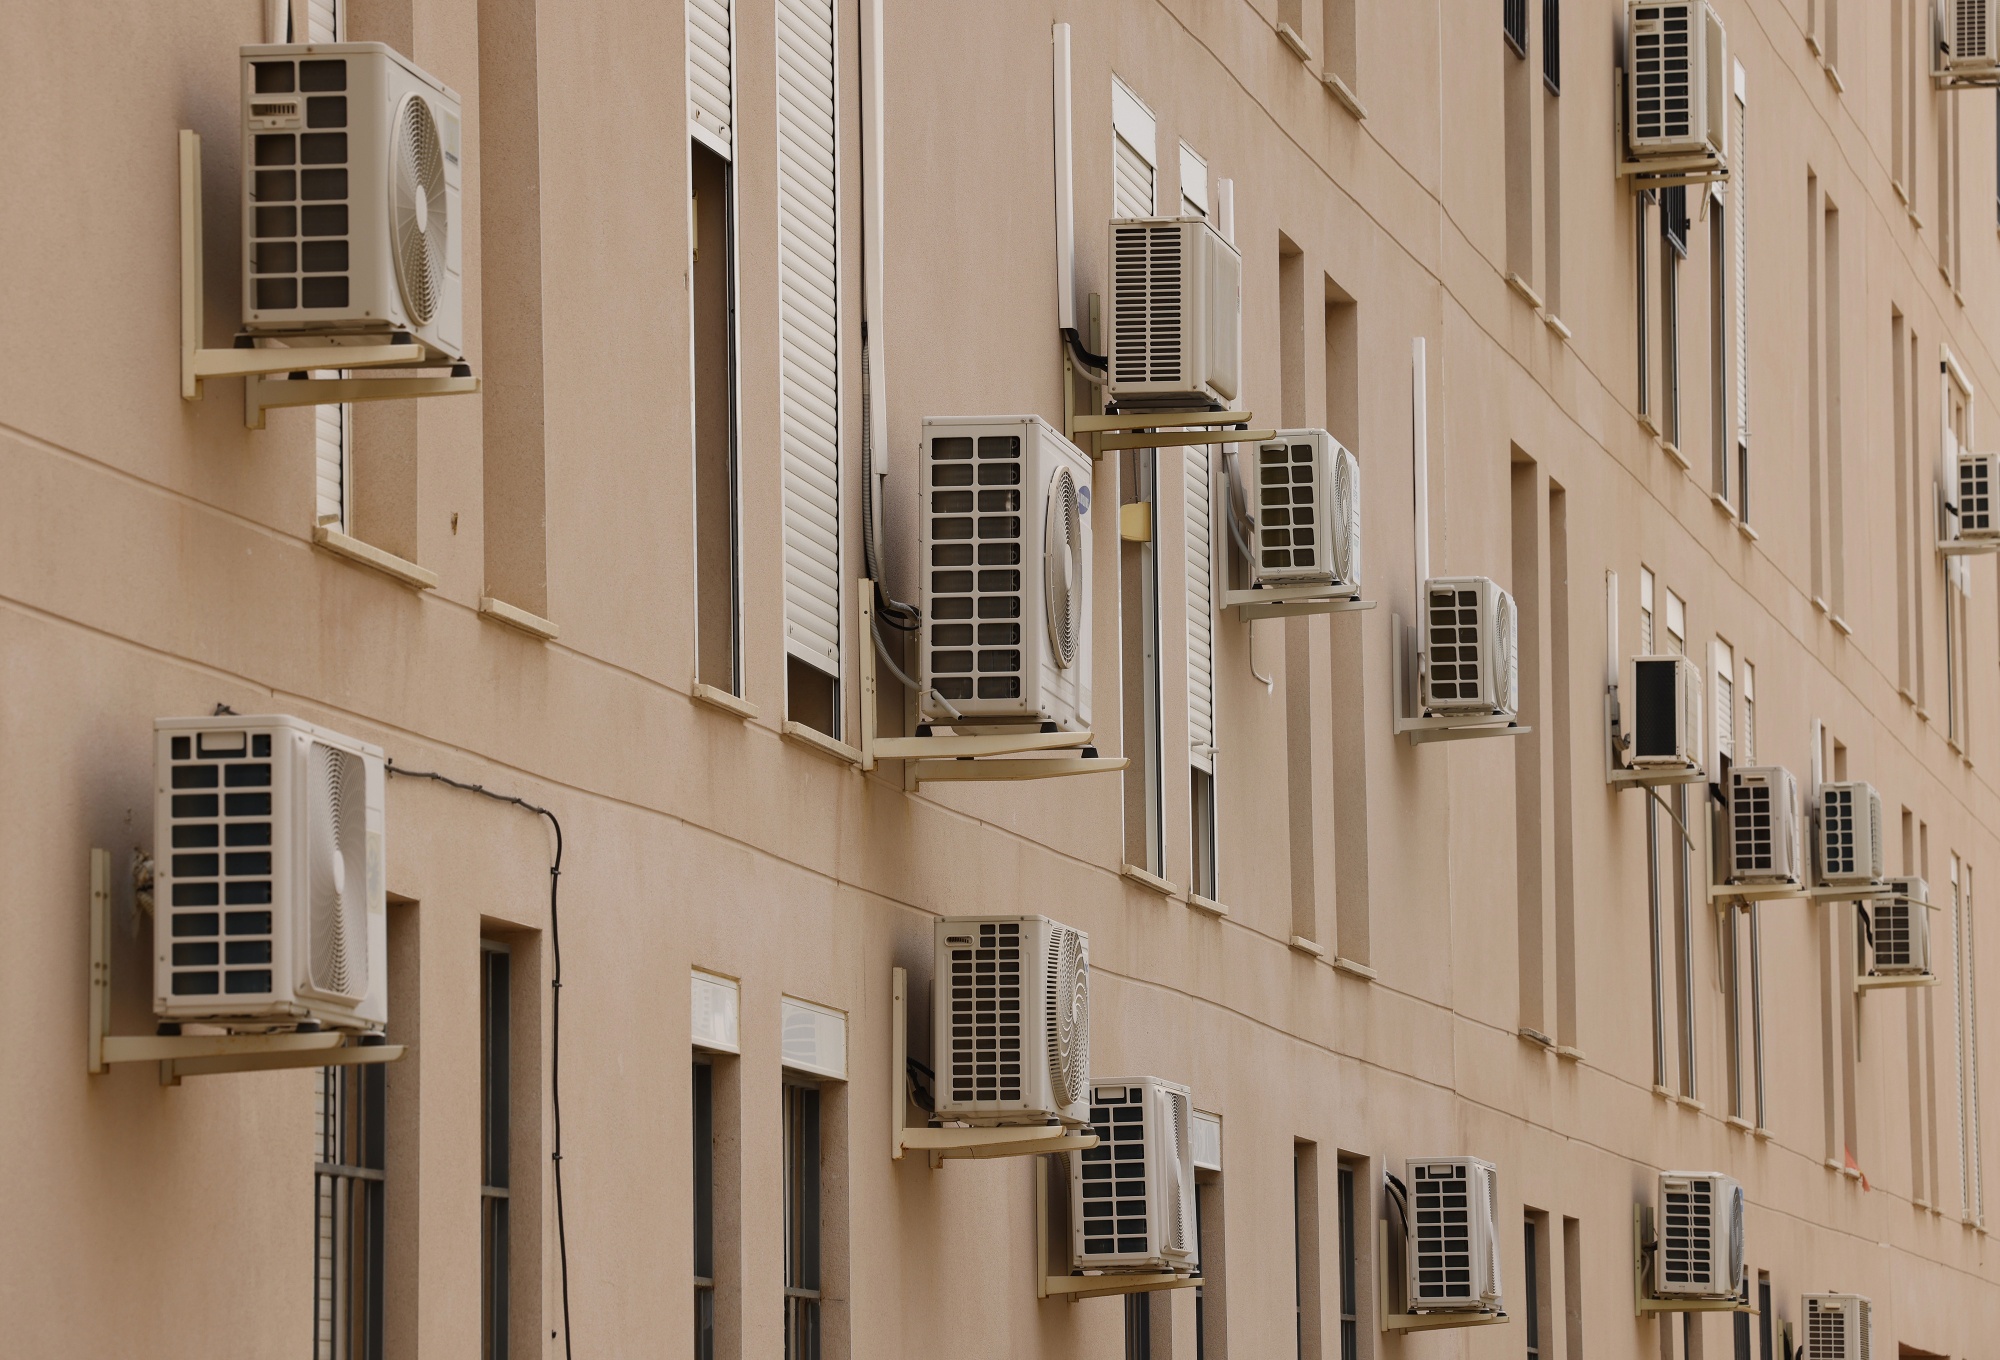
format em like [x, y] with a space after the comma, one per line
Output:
[802, 1221]
[809, 332]
[1957, 436]
[1719, 371]
[1766, 1323]
[1350, 1321]
[1139, 1326]
[495, 1112]
[1530, 1263]
[704, 1211]
[1514, 25]
[1194, 183]
[1738, 194]
[348, 1183]
[1341, 61]
[1573, 1287]
[1965, 1044]
[1200, 548]
[1676, 624]
[1305, 1246]
[1825, 391]
[1641, 203]
[1723, 663]
[1211, 1340]
[1746, 736]
[1645, 612]
[712, 284]
[1132, 159]
[1673, 249]
[1551, 44]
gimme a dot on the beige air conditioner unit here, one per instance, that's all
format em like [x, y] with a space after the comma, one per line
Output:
[1006, 575]
[1472, 660]
[1764, 826]
[1978, 480]
[1677, 76]
[1837, 1327]
[1132, 1196]
[1010, 1028]
[1849, 833]
[1176, 315]
[1305, 513]
[352, 209]
[1666, 713]
[1700, 1236]
[268, 891]
[1900, 925]
[1453, 1253]
[1967, 43]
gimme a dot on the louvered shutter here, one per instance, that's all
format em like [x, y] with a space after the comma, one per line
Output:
[330, 463]
[1132, 158]
[1738, 174]
[323, 21]
[1200, 612]
[711, 74]
[808, 331]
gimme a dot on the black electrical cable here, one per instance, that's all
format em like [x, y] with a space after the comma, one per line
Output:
[555, 1006]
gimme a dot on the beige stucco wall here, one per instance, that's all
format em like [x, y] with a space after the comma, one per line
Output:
[156, 559]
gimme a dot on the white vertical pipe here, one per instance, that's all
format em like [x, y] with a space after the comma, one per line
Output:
[872, 268]
[276, 15]
[1065, 186]
[1611, 631]
[1225, 209]
[1419, 460]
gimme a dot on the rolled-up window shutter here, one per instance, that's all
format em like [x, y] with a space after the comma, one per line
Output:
[711, 74]
[323, 21]
[1200, 612]
[1133, 162]
[330, 463]
[809, 330]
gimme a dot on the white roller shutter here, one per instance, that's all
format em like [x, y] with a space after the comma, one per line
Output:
[711, 74]
[331, 463]
[324, 21]
[808, 326]
[1132, 154]
[1739, 190]
[1200, 611]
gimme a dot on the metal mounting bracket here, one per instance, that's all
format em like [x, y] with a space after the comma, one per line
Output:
[194, 1055]
[967, 758]
[1284, 602]
[1392, 1307]
[1403, 670]
[1643, 1300]
[1952, 547]
[947, 1143]
[1075, 1287]
[1100, 435]
[1624, 776]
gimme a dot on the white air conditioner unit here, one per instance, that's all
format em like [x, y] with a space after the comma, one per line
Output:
[1764, 826]
[1900, 924]
[1837, 1327]
[1453, 1253]
[1677, 76]
[1176, 314]
[1472, 660]
[268, 891]
[1305, 513]
[1849, 833]
[1966, 39]
[1978, 480]
[1131, 1198]
[1700, 1236]
[1010, 1029]
[352, 214]
[1006, 574]
[1666, 713]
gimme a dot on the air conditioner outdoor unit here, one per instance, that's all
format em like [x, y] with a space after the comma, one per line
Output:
[1978, 480]
[1967, 40]
[1176, 314]
[1006, 574]
[1764, 826]
[1700, 1233]
[1131, 1198]
[1305, 513]
[1900, 923]
[352, 216]
[1677, 76]
[1454, 1244]
[1010, 1030]
[1837, 1327]
[269, 904]
[1849, 834]
[1472, 661]
[1666, 713]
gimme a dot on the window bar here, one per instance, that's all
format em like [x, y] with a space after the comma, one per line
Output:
[1514, 25]
[1552, 45]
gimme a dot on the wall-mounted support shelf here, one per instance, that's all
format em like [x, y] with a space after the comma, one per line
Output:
[978, 757]
[948, 1143]
[195, 1055]
[1099, 435]
[1643, 1299]
[1394, 1309]
[1726, 893]
[1964, 80]
[1869, 983]
[1284, 602]
[1423, 727]
[317, 352]
[1077, 1286]
[1952, 547]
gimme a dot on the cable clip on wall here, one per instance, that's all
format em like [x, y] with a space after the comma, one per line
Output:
[193, 1055]
[261, 391]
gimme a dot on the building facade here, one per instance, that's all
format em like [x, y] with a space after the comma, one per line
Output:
[622, 582]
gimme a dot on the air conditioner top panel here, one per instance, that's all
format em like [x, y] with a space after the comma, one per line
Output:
[1698, 1176]
[1907, 885]
[966, 422]
[256, 720]
[948, 922]
[350, 49]
[1175, 221]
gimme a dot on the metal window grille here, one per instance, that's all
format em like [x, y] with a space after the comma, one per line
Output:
[495, 1108]
[704, 1211]
[1552, 45]
[1138, 1327]
[1350, 1327]
[1514, 25]
[802, 1214]
[1534, 1316]
[348, 1213]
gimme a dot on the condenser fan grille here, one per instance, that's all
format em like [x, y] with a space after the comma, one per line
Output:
[1114, 1173]
[976, 598]
[417, 218]
[985, 1005]
[1454, 659]
[1441, 1204]
[1347, 517]
[337, 871]
[1688, 1238]
[1754, 824]
[1662, 72]
[219, 872]
[1062, 567]
[1069, 1015]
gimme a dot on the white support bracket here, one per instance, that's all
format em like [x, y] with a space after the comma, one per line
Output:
[1099, 435]
[1620, 776]
[253, 364]
[978, 757]
[1953, 547]
[950, 1143]
[1867, 982]
[1394, 1308]
[1424, 728]
[1077, 1286]
[194, 1055]
[261, 393]
[1643, 1299]
[1284, 602]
